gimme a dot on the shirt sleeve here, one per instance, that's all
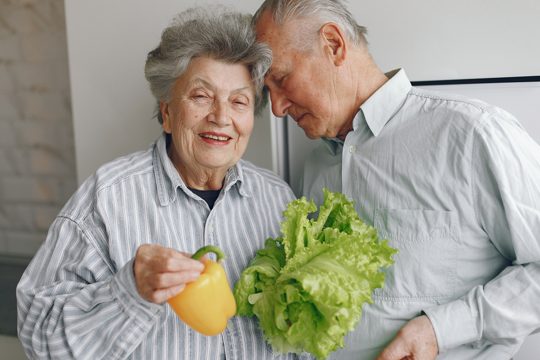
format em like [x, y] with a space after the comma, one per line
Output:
[72, 304]
[506, 193]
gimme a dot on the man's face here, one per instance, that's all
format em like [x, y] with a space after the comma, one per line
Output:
[301, 83]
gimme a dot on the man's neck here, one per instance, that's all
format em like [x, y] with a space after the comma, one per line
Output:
[364, 78]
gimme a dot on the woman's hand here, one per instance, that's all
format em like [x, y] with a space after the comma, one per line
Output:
[161, 272]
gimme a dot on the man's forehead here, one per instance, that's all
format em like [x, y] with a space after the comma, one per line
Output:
[266, 27]
[277, 37]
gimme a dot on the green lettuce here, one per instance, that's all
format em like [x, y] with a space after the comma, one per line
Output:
[307, 287]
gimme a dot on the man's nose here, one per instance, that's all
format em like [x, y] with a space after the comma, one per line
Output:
[280, 102]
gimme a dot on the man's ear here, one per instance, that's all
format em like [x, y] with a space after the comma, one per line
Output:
[334, 42]
[164, 111]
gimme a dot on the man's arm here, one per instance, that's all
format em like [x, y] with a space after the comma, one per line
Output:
[506, 192]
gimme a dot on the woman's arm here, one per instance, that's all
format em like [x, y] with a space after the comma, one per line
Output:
[72, 303]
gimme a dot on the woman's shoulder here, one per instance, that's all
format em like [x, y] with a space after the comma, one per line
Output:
[124, 168]
[104, 181]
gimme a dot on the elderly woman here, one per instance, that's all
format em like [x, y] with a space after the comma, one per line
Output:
[98, 286]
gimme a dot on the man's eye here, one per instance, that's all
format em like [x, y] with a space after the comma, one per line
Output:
[279, 80]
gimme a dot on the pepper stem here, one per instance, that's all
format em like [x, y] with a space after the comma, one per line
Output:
[206, 249]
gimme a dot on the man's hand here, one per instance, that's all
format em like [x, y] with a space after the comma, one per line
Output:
[161, 272]
[415, 341]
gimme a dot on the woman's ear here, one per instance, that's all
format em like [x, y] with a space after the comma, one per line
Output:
[164, 111]
[335, 42]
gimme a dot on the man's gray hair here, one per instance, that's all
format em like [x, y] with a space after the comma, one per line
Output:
[323, 10]
[216, 32]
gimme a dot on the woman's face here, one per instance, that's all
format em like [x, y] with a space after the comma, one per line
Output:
[209, 116]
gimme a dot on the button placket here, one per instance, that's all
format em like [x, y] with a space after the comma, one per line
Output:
[349, 151]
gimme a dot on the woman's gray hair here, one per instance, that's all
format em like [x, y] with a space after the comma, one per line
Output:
[323, 10]
[216, 32]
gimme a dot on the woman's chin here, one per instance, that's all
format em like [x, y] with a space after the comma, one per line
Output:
[217, 164]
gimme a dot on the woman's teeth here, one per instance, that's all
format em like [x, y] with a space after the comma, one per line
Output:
[215, 137]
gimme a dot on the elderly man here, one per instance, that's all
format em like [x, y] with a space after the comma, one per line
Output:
[451, 182]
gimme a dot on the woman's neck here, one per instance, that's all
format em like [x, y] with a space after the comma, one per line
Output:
[197, 177]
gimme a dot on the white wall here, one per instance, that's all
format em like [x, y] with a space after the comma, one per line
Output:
[453, 39]
[108, 42]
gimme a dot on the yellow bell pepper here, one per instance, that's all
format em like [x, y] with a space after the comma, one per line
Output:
[207, 303]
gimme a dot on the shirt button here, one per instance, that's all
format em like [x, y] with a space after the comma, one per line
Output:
[352, 149]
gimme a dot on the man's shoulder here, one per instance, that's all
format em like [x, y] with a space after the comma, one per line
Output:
[463, 110]
[451, 101]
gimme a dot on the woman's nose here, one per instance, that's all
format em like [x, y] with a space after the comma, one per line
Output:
[219, 114]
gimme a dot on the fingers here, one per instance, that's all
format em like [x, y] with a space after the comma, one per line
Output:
[167, 293]
[171, 279]
[416, 340]
[165, 259]
[395, 351]
[161, 273]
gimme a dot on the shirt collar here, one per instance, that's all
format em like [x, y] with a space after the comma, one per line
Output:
[236, 175]
[168, 179]
[334, 145]
[379, 108]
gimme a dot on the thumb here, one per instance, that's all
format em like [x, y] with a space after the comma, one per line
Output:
[394, 352]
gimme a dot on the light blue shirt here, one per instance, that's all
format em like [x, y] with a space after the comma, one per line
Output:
[454, 184]
[78, 298]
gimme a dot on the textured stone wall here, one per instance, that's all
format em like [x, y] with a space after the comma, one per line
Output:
[37, 166]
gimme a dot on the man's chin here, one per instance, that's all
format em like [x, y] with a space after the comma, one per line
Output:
[311, 134]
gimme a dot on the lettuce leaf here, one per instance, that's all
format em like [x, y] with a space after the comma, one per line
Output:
[307, 287]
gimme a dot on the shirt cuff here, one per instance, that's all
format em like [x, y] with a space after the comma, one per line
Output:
[454, 324]
[125, 291]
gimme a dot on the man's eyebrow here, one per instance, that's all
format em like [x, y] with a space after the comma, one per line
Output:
[274, 74]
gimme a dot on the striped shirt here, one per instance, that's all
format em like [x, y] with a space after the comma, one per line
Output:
[78, 298]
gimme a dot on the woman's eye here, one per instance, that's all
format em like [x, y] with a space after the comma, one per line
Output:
[200, 97]
[241, 102]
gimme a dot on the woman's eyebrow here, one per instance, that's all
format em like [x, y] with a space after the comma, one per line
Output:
[201, 81]
[242, 89]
